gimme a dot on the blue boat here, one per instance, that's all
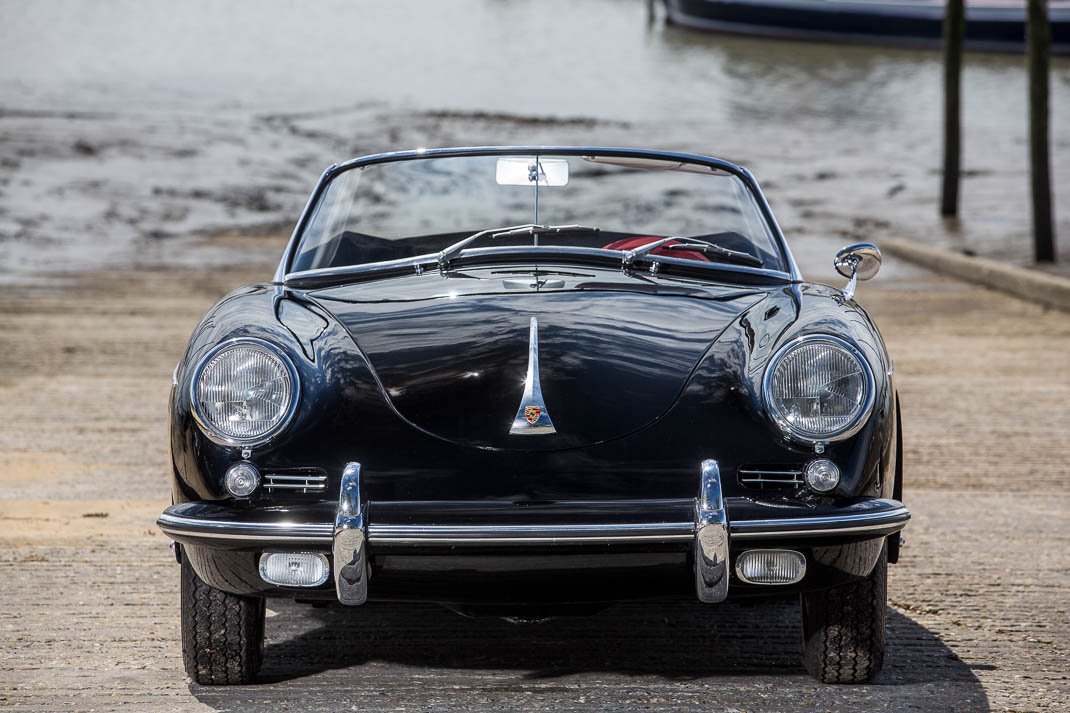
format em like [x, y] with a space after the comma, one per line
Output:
[991, 25]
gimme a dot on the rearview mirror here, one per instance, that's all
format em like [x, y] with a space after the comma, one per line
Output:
[524, 170]
[860, 261]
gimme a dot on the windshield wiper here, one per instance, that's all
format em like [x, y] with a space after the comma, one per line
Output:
[447, 253]
[725, 253]
[694, 245]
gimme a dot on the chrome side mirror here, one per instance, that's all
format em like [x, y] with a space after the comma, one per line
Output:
[860, 261]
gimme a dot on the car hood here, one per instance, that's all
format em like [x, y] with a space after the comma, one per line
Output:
[614, 353]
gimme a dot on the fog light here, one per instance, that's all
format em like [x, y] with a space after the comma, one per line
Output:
[822, 475]
[771, 566]
[242, 479]
[294, 569]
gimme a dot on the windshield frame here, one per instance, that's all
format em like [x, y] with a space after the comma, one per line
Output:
[283, 273]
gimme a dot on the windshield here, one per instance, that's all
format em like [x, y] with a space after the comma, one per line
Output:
[408, 208]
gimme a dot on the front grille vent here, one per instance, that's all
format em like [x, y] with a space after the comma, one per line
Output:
[300, 480]
[770, 477]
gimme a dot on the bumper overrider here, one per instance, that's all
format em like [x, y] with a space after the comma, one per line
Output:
[702, 524]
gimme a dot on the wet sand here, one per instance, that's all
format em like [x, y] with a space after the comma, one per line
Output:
[89, 621]
[86, 190]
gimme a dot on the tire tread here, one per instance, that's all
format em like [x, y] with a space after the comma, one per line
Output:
[844, 628]
[222, 633]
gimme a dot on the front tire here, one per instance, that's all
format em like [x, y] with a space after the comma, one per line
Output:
[222, 633]
[843, 628]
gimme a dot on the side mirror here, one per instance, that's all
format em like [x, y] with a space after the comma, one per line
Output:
[860, 261]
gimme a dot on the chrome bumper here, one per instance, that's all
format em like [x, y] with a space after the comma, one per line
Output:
[349, 539]
[711, 537]
[710, 532]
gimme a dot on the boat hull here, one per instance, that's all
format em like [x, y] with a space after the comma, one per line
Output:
[994, 27]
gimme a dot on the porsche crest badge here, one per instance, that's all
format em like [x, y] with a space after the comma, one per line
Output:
[532, 417]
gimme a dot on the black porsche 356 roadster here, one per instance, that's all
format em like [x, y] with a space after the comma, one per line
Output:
[536, 381]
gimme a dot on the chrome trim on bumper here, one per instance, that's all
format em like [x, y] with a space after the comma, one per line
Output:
[530, 534]
[281, 532]
[711, 537]
[322, 533]
[850, 524]
[349, 544]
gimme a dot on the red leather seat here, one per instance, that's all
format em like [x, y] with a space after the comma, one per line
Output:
[639, 241]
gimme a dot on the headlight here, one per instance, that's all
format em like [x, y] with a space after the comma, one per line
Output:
[244, 392]
[819, 388]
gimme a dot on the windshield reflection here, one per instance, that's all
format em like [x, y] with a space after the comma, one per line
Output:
[399, 210]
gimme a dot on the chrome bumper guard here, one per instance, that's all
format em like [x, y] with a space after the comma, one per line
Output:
[350, 536]
[349, 541]
[711, 537]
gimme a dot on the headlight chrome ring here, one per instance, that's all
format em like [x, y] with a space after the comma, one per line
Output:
[849, 426]
[281, 405]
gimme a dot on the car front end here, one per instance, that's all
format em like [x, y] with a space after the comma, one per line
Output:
[535, 428]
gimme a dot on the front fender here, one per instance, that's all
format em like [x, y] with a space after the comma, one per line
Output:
[336, 391]
[726, 390]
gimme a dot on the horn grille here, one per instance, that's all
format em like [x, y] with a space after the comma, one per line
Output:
[296, 480]
[771, 477]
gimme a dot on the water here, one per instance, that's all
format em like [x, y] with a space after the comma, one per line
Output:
[167, 79]
[576, 57]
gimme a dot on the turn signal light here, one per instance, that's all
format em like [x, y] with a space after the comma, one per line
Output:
[242, 479]
[822, 475]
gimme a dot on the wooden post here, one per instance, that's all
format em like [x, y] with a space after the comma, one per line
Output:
[1038, 37]
[954, 36]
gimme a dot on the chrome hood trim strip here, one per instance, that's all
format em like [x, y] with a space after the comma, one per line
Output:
[532, 418]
